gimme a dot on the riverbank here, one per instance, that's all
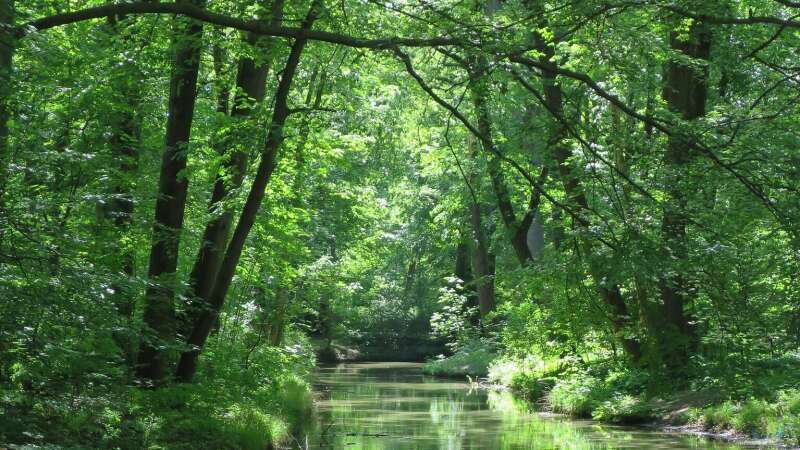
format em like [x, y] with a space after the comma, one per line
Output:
[387, 406]
[765, 412]
[225, 407]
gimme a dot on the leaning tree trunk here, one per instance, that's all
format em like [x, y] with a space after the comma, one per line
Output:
[202, 327]
[525, 235]
[250, 90]
[517, 229]
[159, 307]
[685, 92]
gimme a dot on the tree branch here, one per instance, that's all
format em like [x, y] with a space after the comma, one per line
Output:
[752, 20]
[472, 129]
[652, 121]
[253, 26]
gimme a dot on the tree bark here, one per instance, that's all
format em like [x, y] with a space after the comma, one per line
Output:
[117, 211]
[278, 316]
[7, 46]
[685, 91]
[249, 93]
[483, 260]
[483, 263]
[188, 362]
[516, 229]
[610, 292]
[159, 309]
[463, 271]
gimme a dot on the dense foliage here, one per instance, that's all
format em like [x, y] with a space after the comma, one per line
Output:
[594, 202]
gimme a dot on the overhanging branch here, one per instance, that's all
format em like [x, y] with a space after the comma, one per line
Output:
[253, 26]
[658, 124]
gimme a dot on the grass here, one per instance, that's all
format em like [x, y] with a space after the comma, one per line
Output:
[608, 392]
[226, 408]
[756, 418]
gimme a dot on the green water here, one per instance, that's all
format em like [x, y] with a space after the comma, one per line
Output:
[381, 406]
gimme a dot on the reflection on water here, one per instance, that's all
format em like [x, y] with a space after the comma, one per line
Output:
[382, 406]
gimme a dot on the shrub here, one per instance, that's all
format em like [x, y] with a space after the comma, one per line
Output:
[791, 429]
[624, 409]
[751, 418]
[531, 378]
[789, 402]
[251, 429]
[473, 359]
[577, 395]
[720, 416]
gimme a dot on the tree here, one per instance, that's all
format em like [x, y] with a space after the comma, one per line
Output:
[275, 137]
[685, 91]
[7, 43]
[248, 94]
[159, 308]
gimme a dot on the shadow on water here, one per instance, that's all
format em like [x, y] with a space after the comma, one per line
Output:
[382, 406]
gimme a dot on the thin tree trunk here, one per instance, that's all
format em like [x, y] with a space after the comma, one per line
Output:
[483, 263]
[220, 79]
[124, 144]
[483, 260]
[250, 90]
[685, 92]
[278, 321]
[159, 309]
[517, 229]
[7, 46]
[188, 362]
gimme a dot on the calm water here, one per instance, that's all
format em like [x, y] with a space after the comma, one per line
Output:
[382, 406]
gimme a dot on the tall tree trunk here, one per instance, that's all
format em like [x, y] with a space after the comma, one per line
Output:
[188, 362]
[620, 132]
[159, 307]
[463, 271]
[685, 92]
[220, 79]
[250, 90]
[524, 234]
[483, 263]
[117, 211]
[278, 316]
[483, 260]
[7, 46]
[517, 230]
[609, 291]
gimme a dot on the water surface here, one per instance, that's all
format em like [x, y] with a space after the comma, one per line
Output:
[383, 406]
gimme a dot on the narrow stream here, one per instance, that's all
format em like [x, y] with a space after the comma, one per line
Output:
[380, 406]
